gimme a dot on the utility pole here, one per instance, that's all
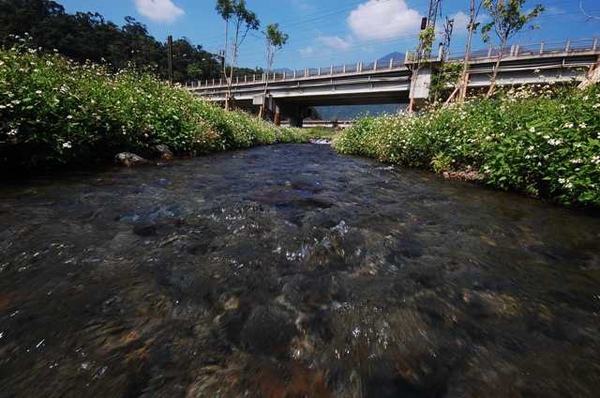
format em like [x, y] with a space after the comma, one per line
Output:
[429, 22]
[170, 58]
[434, 5]
[448, 29]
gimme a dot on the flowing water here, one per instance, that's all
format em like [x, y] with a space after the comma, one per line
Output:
[291, 271]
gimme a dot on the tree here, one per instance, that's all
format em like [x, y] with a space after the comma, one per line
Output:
[243, 20]
[507, 19]
[463, 81]
[275, 40]
[225, 10]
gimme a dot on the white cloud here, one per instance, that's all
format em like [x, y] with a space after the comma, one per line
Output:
[335, 42]
[303, 5]
[461, 22]
[159, 10]
[307, 51]
[384, 20]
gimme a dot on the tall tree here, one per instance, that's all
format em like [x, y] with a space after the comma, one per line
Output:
[243, 20]
[463, 81]
[225, 10]
[507, 18]
[275, 40]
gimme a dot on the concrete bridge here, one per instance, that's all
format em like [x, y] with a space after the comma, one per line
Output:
[291, 94]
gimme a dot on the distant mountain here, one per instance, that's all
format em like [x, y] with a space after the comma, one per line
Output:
[396, 56]
[281, 70]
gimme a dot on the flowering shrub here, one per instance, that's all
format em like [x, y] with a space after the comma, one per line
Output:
[542, 142]
[54, 112]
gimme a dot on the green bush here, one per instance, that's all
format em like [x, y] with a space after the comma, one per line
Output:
[534, 140]
[55, 112]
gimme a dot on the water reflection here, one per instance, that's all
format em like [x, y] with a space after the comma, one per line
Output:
[290, 271]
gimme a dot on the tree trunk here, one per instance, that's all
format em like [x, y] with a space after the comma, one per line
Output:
[464, 78]
[270, 57]
[234, 51]
[463, 81]
[224, 71]
[496, 66]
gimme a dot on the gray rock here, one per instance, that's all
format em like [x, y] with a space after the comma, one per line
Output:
[129, 159]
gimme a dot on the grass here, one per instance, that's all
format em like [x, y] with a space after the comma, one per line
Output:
[541, 141]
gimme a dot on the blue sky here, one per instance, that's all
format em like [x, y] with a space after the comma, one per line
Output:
[334, 32]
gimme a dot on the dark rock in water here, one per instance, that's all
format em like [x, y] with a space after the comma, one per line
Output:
[268, 330]
[164, 152]
[129, 159]
[145, 229]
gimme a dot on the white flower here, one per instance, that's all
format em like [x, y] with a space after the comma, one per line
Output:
[532, 129]
[69, 117]
[38, 92]
[554, 141]
[568, 125]
[582, 125]
[66, 144]
[596, 106]
[12, 132]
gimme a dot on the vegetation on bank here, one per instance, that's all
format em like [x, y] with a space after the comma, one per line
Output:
[55, 112]
[538, 141]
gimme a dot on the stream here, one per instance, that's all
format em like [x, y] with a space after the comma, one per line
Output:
[292, 271]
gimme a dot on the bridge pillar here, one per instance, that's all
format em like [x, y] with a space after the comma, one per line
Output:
[294, 112]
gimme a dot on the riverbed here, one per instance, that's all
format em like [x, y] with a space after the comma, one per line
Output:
[291, 271]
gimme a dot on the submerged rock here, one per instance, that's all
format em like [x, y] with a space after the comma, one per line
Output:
[268, 330]
[129, 159]
[164, 152]
[321, 141]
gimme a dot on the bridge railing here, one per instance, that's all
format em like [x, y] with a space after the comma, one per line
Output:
[569, 46]
[359, 67]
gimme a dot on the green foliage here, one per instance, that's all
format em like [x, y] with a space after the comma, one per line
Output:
[88, 36]
[507, 17]
[54, 111]
[426, 39]
[444, 79]
[542, 142]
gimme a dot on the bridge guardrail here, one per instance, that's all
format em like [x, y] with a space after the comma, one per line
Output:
[569, 46]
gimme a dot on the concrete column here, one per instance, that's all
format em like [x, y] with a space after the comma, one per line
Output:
[296, 121]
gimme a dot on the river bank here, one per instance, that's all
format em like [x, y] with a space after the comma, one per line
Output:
[55, 113]
[539, 141]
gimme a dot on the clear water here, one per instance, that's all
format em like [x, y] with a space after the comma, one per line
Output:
[291, 271]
